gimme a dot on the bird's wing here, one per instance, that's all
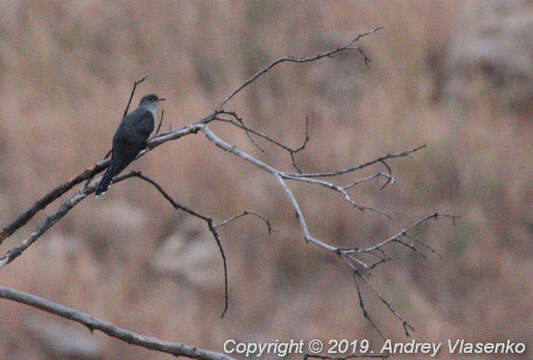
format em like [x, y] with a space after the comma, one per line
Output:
[131, 137]
[135, 128]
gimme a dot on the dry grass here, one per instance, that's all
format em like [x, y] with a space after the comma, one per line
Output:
[65, 74]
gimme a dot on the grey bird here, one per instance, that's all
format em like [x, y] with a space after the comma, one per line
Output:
[130, 138]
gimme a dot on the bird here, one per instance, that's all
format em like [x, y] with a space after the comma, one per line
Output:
[130, 138]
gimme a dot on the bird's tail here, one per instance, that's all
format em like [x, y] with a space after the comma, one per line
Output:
[106, 180]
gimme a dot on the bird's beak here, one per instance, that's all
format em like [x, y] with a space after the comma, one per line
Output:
[161, 99]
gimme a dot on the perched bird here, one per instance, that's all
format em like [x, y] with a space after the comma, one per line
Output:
[130, 138]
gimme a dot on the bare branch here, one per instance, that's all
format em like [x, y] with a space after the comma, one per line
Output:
[295, 177]
[338, 189]
[367, 316]
[364, 165]
[135, 83]
[326, 54]
[55, 193]
[302, 147]
[405, 324]
[431, 249]
[402, 233]
[92, 323]
[410, 246]
[160, 122]
[50, 221]
[169, 198]
[240, 124]
[301, 219]
[250, 131]
[244, 213]
[390, 179]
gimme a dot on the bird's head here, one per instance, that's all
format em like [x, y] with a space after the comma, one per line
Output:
[151, 101]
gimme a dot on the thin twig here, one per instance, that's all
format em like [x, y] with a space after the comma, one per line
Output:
[241, 125]
[368, 178]
[367, 316]
[405, 324]
[302, 147]
[410, 246]
[160, 121]
[426, 246]
[404, 232]
[245, 213]
[249, 131]
[390, 178]
[364, 165]
[135, 83]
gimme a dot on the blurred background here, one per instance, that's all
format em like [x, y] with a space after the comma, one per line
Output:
[456, 75]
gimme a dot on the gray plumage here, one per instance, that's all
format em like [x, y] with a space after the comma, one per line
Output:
[130, 138]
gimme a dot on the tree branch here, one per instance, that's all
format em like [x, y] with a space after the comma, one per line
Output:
[380, 159]
[245, 213]
[238, 122]
[400, 234]
[51, 220]
[92, 323]
[46, 200]
[366, 314]
[135, 83]
[330, 53]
